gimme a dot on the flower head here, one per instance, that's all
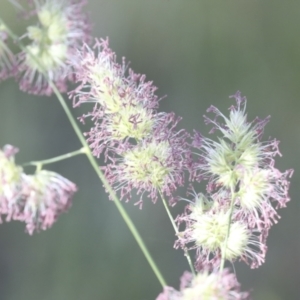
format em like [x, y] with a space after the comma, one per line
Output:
[155, 165]
[46, 195]
[8, 65]
[206, 286]
[10, 179]
[36, 199]
[61, 29]
[105, 82]
[239, 161]
[143, 149]
[207, 230]
[239, 146]
[124, 105]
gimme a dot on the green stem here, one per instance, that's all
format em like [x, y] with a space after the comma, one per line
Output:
[56, 159]
[186, 252]
[228, 229]
[108, 188]
[94, 164]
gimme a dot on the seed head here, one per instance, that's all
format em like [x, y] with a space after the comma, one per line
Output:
[241, 162]
[47, 195]
[154, 165]
[239, 147]
[10, 180]
[206, 230]
[36, 199]
[124, 104]
[61, 29]
[210, 230]
[206, 286]
[143, 149]
[8, 65]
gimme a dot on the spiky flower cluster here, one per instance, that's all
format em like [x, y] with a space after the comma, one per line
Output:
[242, 185]
[36, 199]
[142, 149]
[61, 29]
[8, 65]
[206, 286]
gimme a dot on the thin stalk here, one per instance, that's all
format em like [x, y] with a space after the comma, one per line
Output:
[228, 229]
[56, 159]
[95, 166]
[186, 252]
[108, 188]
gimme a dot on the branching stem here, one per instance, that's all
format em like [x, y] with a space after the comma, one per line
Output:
[94, 164]
[186, 252]
[56, 159]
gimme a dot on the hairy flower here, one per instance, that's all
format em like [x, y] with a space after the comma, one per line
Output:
[258, 189]
[8, 66]
[10, 180]
[112, 132]
[207, 230]
[46, 195]
[105, 82]
[206, 286]
[124, 105]
[62, 28]
[36, 199]
[239, 161]
[142, 147]
[154, 165]
[239, 147]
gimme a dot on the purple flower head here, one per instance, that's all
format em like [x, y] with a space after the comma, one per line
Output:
[143, 149]
[154, 165]
[62, 27]
[258, 190]
[36, 199]
[8, 65]
[240, 161]
[206, 228]
[239, 146]
[105, 82]
[45, 196]
[124, 105]
[10, 180]
[206, 286]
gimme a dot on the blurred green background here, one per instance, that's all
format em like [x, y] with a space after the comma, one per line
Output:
[198, 53]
